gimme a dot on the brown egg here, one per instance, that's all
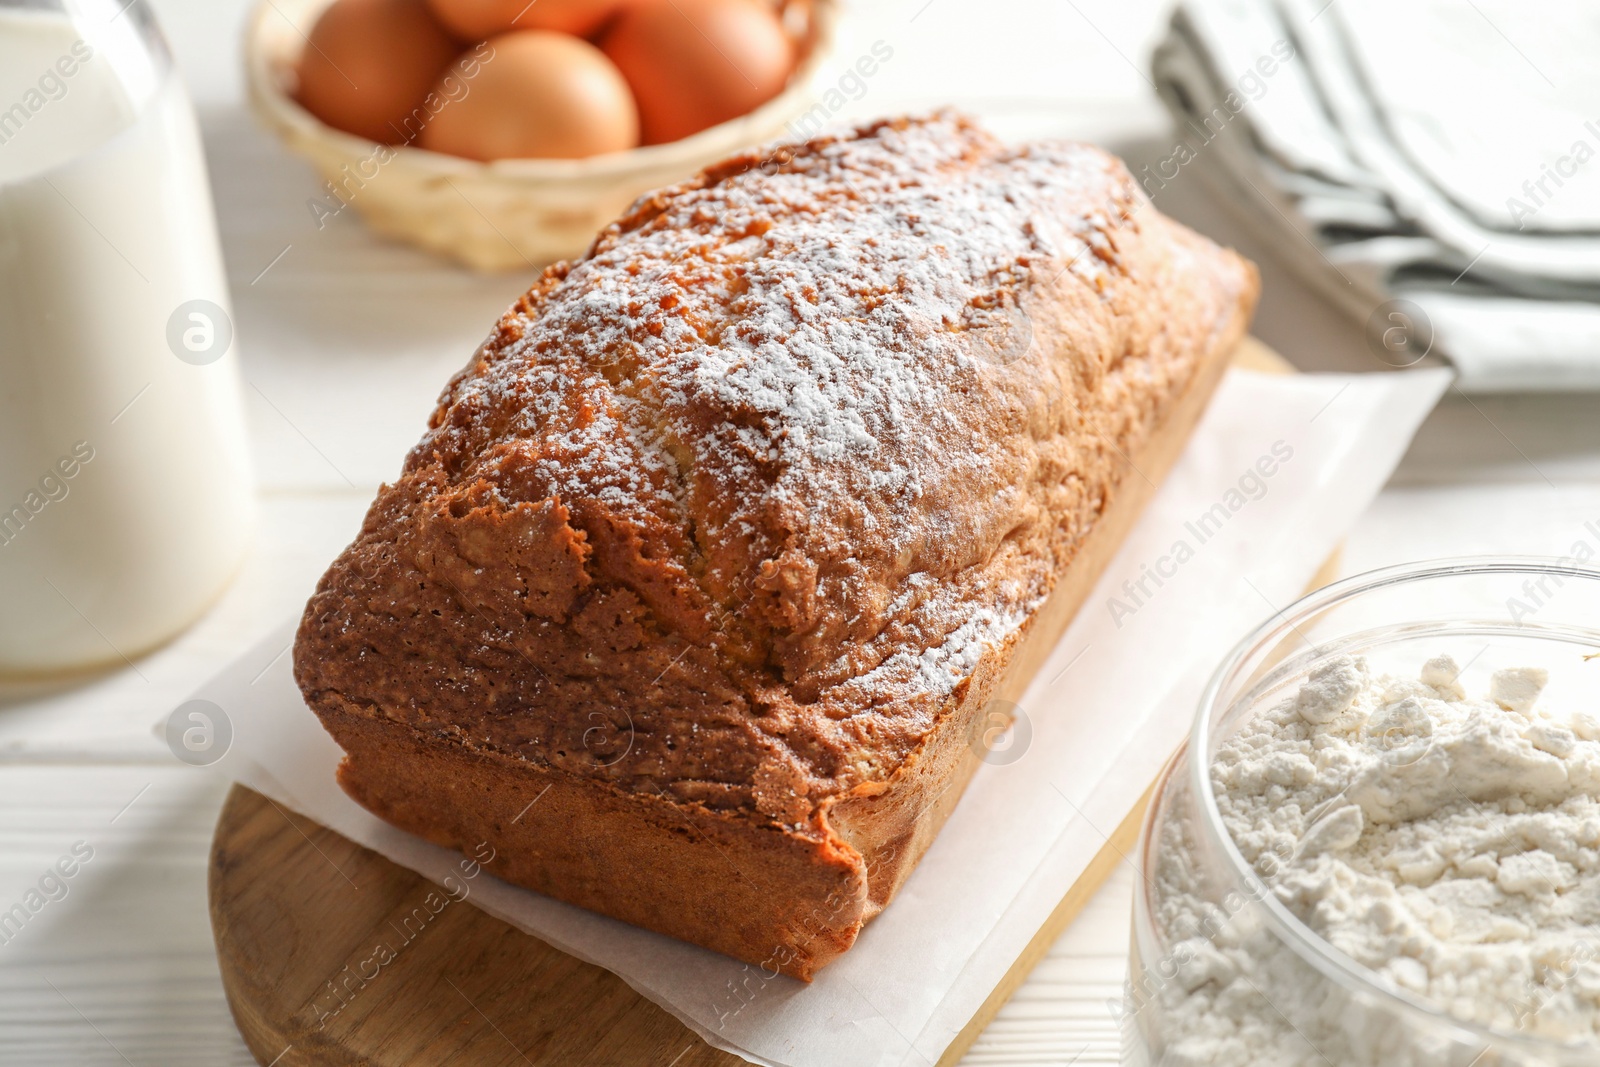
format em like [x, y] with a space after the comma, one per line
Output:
[534, 95]
[476, 19]
[695, 63]
[368, 64]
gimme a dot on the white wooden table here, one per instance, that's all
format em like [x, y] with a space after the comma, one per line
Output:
[346, 341]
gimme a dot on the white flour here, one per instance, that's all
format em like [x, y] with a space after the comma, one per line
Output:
[1450, 845]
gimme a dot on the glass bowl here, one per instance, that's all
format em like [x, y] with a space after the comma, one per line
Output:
[1298, 1000]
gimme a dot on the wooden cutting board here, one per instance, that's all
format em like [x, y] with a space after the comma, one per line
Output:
[332, 955]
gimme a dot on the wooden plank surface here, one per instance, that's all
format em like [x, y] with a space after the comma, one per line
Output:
[345, 341]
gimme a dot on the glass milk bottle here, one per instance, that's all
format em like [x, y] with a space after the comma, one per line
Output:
[125, 498]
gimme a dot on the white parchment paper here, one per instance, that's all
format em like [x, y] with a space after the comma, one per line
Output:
[1278, 470]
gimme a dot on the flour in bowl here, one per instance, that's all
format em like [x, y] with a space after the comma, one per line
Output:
[1449, 844]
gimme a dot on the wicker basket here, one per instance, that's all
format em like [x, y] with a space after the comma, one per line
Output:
[507, 215]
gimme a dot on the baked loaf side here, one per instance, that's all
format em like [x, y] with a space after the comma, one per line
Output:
[729, 523]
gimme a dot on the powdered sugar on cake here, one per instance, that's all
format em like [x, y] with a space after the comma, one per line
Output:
[792, 360]
[783, 469]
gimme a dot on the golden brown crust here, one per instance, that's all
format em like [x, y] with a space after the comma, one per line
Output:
[732, 516]
[780, 901]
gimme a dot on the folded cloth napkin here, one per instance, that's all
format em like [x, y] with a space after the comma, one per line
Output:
[1432, 165]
